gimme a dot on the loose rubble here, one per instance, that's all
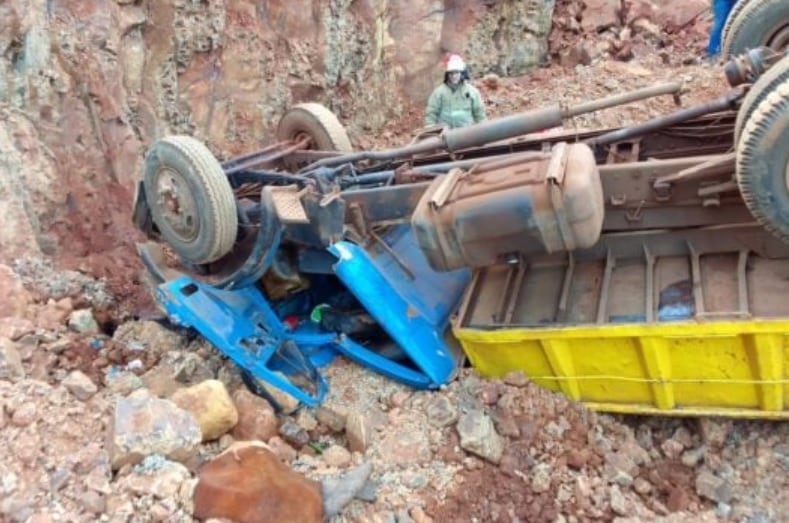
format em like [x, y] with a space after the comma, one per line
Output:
[168, 436]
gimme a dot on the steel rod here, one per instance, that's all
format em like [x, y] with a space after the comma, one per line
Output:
[723, 103]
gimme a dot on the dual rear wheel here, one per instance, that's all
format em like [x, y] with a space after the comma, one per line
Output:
[762, 142]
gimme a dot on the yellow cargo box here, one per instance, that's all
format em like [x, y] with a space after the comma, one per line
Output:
[644, 327]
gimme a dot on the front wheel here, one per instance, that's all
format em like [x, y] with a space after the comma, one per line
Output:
[190, 199]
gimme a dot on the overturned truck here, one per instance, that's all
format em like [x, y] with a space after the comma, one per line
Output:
[638, 269]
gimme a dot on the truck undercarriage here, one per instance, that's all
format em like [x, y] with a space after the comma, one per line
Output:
[285, 257]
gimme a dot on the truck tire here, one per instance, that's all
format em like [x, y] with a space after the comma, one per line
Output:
[733, 14]
[762, 23]
[190, 198]
[763, 162]
[764, 85]
[317, 122]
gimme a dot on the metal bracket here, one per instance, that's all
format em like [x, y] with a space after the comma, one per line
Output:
[555, 178]
[287, 203]
[445, 187]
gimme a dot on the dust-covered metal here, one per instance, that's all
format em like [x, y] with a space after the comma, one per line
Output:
[368, 253]
[511, 209]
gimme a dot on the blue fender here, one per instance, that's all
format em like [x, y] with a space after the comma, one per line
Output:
[412, 302]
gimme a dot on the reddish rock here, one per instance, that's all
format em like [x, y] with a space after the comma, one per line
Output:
[256, 417]
[284, 452]
[248, 484]
[635, 9]
[677, 14]
[578, 458]
[336, 456]
[489, 393]
[600, 15]
[575, 55]
[53, 315]
[678, 499]
[15, 328]
[15, 297]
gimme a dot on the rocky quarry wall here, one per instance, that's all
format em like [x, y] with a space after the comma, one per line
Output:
[86, 85]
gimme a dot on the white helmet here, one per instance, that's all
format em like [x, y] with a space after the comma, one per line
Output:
[455, 63]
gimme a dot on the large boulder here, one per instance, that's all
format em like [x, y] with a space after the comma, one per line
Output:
[143, 426]
[249, 484]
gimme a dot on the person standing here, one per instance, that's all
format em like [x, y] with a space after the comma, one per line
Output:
[720, 11]
[455, 103]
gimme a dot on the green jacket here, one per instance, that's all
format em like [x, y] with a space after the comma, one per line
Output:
[454, 107]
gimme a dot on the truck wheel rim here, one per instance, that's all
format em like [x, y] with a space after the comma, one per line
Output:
[176, 204]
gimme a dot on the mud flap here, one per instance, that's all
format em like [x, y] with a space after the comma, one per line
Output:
[412, 302]
[243, 326]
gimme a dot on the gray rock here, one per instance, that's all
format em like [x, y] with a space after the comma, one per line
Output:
[618, 502]
[82, 321]
[621, 478]
[339, 490]
[441, 412]
[17, 508]
[8, 483]
[723, 510]
[58, 346]
[192, 369]
[80, 385]
[620, 461]
[143, 426]
[58, 479]
[714, 432]
[683, 436]
[10, 361]
[92, 501]
[479, 436]
[369, 492]
[293, 434]
[541, 478]
[712, 487]
[692, 457]
[152, 336]
[122, 383]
